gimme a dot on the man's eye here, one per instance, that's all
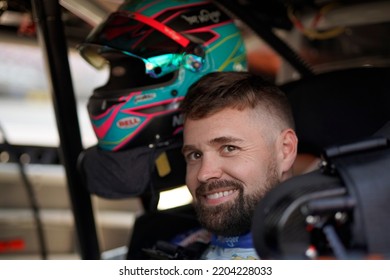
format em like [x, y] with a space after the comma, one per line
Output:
[229, 148]
[192, 156]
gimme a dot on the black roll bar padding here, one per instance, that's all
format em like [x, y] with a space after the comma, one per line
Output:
[47, 15]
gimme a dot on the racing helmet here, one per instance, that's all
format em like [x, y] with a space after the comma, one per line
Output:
[155, 50]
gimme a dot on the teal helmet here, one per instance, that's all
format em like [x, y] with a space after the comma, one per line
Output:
[155, 50]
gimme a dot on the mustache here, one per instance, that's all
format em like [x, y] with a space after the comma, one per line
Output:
[214, 185]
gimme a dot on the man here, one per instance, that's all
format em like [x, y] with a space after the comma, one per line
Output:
[239, 143]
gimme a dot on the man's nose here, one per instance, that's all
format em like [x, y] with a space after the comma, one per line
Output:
[210, 169]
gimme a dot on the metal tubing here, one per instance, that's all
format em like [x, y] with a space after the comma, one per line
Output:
[47, 14]
[264, 31]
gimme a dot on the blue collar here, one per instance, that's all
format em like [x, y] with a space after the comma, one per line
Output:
[241, 241]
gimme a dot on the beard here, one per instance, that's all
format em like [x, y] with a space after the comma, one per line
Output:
[234, 217]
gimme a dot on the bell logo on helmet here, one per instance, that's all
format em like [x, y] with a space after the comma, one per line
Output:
[204, 16]
[128, 122]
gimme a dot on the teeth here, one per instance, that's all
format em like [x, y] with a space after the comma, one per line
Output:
[219, 194]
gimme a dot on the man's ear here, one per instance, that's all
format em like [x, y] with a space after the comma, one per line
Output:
[288, 146]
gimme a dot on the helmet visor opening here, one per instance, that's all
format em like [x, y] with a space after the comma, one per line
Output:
[127, 73]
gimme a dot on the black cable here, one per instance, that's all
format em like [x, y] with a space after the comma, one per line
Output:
[31, 197]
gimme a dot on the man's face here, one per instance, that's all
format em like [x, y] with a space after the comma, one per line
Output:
[230, 166]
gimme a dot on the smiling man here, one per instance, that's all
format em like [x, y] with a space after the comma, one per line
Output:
[239, 142]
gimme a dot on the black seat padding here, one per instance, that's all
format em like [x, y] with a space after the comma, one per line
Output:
[339, 106]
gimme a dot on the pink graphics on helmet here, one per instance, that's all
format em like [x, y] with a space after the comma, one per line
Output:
[155, 50]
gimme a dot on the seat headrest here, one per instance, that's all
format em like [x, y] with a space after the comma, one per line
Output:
[339, 106]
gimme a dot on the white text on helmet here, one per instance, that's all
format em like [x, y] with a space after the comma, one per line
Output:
[204, 16]
[144, 97]
[177, 120]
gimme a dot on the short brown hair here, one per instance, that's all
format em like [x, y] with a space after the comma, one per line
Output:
[240, 90]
